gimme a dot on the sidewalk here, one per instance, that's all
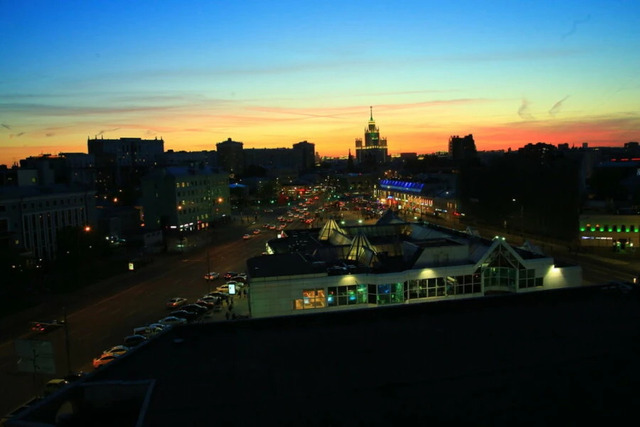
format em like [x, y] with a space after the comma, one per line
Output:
[240, 309]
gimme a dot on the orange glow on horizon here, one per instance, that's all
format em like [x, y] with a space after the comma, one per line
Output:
[337, 144]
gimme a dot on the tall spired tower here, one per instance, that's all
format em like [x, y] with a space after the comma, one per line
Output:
[374, 150]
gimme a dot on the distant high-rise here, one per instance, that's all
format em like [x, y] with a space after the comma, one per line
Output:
[462, 148]
[374, 149]
[305, 155]
[230, 156]
[121, 162]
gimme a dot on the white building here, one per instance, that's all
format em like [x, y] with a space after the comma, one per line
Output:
[392, 262]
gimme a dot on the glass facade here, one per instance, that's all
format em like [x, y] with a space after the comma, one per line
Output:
[502, 272]
[346, 295]
[528, 279]
[444, 286]
[500, 277]
[388, 293]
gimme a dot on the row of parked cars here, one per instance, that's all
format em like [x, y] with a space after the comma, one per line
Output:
[181, 312]
[143, 333]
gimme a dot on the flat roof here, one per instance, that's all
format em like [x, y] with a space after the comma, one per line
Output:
[538, 358]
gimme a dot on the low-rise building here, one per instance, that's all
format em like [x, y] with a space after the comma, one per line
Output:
[618, 232]
[392, 262]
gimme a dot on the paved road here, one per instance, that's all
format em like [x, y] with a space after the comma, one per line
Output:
[100, 316]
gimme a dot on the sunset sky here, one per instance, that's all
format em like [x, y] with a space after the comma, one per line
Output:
[273, 73]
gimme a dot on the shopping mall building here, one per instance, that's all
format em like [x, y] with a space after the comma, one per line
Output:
[392, 262]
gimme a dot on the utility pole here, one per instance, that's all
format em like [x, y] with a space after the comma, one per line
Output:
[208, 271]
[66, 340]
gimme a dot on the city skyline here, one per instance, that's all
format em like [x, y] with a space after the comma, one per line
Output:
[270, 74]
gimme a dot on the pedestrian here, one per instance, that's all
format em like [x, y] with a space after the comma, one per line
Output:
[226, 315]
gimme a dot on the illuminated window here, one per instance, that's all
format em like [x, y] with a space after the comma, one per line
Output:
[311, 298]
[346, 295]
[388, 293]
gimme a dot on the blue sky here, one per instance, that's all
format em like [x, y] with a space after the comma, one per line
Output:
[271, 74]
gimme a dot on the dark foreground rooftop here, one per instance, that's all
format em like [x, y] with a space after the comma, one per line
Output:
[539, 359]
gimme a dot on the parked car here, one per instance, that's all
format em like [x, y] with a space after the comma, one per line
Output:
[147, 331]
[172, 321]
[184, 314]
[103, 359]
[217, 294]
[159, 326]
[134, 340]
[48, 326]
[195, 308]
[229, 274]
[239, 277]
[176, 302]
[212, 275]
[206, 301]
[118, 350]
[225, 289]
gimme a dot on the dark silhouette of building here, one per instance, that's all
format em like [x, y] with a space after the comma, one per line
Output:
[230, 156]
[373, 150]
[121, 162]
[462, 148]
[305, 153]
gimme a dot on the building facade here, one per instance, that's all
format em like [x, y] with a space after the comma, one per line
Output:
[337, 268]
[462, 148]
[231, 156]
[373, 149]
[305, 153]
[185, 199]
[420, 199]
[121, 162]
[32, 216]
[617, 232]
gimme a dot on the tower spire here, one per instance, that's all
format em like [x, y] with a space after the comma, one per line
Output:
[371, 113]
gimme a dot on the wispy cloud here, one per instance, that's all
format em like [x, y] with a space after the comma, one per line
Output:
[574, 26]
[102, 132]
[77, 110]
[557, 107]
[6, 126]
[524, 111]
